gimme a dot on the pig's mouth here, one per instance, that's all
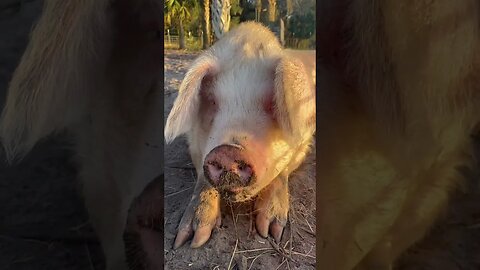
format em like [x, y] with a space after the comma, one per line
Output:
[235, 193]
[232, 189]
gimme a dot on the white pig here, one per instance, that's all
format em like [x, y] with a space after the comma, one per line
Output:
[248, 109]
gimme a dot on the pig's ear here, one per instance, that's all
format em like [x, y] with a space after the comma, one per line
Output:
[186, 106]
[294, 99]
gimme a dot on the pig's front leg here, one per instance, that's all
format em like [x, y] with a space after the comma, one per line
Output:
[272, 206]
[201, 215]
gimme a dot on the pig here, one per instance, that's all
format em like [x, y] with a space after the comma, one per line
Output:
[93, 68]
[247, 107]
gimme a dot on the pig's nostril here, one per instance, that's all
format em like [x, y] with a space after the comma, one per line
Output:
[215, 167]
[244, 170]
[214, 170]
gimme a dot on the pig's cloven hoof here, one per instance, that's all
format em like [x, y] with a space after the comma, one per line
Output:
[199, 219]
[276, 226]
[272, 207]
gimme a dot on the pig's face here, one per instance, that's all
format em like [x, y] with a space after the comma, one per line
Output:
[246, 108]
[245, 147]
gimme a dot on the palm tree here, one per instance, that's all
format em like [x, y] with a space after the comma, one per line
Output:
[177, 11]
[220, 17]
[206, 24]
[272, 8]
[258, 10]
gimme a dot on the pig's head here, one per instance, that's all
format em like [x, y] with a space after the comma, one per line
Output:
[246, 107]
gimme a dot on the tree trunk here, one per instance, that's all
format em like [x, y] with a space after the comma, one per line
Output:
[181, 37]
[272, 8]
[264, 11]
[282, 32]
[220, 17]
[258, 10]
[206, 24]
[289, 7]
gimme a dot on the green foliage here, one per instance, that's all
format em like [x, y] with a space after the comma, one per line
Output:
[184, 10]
[248, 10]
[236, 9]
[302, 25]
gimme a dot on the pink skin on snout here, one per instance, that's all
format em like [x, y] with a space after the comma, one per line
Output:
[235, 169]
[227, 164]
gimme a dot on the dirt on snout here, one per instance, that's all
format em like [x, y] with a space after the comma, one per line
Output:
[235, 245]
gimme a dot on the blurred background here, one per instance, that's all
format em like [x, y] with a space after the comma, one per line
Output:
[195, 25]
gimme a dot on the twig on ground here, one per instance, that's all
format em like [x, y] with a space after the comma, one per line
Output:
[283, 261]
[181, 167]
[177, 192]
[233, 255]
[308, 224]
[256, 257]
[254, 250]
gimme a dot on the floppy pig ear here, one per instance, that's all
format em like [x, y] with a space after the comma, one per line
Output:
[294, 99]
[187, 103]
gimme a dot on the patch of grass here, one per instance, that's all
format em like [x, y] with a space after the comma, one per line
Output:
[192, 44]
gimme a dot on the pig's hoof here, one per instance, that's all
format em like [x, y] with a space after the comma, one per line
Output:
[203, 232]
[183, 235]
[276, 226]
[199, 219]
[272, 209]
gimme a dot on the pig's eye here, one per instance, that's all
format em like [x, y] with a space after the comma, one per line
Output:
[210, 98]
[269, 105]
[206, 89]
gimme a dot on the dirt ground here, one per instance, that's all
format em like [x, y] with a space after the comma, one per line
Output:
[44, 223]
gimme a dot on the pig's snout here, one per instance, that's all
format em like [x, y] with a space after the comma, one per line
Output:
[228, 165]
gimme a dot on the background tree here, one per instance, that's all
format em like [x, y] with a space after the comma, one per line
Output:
[272, 11]
[206, 23]
[301, 24]
[236, 11]
[220, 17]
[258, 10]
[178, 12]
[248, 10]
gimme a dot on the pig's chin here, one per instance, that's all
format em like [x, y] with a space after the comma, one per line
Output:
[236, 194]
